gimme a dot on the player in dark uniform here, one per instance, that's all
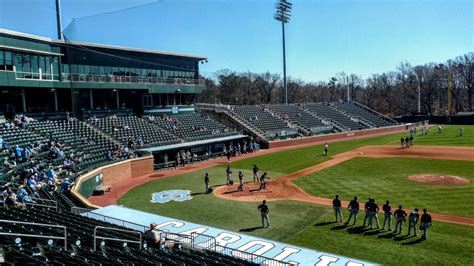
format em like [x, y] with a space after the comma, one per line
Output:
[264, 210]
[255, 173]
[373, 210]
[241, 181]
[400, 215]
[413, 220]
[366, 208]
[354, 210]
[263, 181]
[336, 205]
[387, 213]
[402, 142]
[229, 175]
[425, 223]
[206, 181]
[407, 142]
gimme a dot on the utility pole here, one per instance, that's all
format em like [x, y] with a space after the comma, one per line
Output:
[283, 14]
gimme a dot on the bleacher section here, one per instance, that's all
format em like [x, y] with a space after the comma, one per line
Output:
[296, 114]
[265, 120]
[131, 129]
[81, 139]
[192, 126]
[46, 250]
[334, 116]
[356, 111]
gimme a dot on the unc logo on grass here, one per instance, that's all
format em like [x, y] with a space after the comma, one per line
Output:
[169, 195]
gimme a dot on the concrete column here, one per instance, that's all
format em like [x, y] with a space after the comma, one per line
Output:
[55, 93]
[23, 99]
[91, 99]
[118, 100]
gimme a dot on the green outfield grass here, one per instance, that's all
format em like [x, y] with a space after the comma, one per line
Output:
[296, 159]
[386, 179]
[294, 222]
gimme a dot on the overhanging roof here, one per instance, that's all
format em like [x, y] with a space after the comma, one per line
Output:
[193, 143]
[96, 45]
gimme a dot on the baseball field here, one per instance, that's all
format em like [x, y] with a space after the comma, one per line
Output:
[303, 218]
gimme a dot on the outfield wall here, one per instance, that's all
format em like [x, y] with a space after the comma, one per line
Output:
[110, 175]
[337, 136]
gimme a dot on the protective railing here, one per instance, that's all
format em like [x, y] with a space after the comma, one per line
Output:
[375, 112]
[250, 256]
[116, 239]
[129, 79]
[193, 241]
[64, 237]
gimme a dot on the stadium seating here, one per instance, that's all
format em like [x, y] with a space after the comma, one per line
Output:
[132, 129]
[192, 126]
[296, 114]
[356, 111]
[335, 116]
[23, 250]
[265, 120]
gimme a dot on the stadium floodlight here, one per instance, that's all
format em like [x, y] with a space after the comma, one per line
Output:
[283, 14]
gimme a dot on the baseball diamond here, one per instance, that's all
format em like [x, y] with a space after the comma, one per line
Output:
[164, 133]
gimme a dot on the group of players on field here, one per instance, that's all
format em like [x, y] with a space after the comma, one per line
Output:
[371, 213]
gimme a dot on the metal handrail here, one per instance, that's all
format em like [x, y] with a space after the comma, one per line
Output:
[79, 210]
[37, 236]
[116, 239]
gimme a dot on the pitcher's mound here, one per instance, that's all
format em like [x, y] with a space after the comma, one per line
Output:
[446, 180]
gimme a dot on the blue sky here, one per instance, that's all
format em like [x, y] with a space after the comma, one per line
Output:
[323, 38]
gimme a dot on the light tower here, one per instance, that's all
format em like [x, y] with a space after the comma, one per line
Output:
[283, 14]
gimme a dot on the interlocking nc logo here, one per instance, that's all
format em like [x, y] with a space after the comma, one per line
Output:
[171, 195]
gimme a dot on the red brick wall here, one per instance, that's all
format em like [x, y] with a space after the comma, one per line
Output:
[337, 136]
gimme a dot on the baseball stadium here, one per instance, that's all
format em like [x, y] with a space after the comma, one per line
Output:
[121, 155]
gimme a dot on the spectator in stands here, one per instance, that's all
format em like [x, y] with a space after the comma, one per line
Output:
[11, 200]
[8, 165]
[66, 185]
[153, 238]
[33, 183]
[17, 152]
[1, 141]
[23, 196]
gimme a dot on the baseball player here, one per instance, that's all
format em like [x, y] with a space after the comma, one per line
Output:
[425, 223]
[264, 210]
[439, 128]
[336, 205]
[263, 181]
[255, 173]
[387, 213]
[366, 208]
[326, 148]
[229, 175]
[241, 181]
[402, 142]
[461, 132]
[413, 220]
[206, 181]
[373, 209]
[400, 215]
[353, 207]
